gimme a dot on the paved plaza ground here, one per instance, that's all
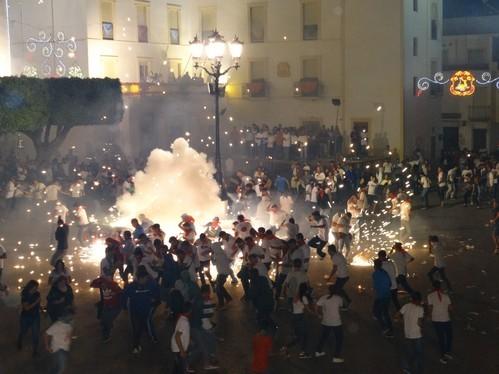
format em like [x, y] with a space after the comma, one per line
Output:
[472, 268]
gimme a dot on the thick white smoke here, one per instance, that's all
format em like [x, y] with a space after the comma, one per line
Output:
[174, 183]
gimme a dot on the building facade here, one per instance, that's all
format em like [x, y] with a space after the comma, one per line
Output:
[298, 56]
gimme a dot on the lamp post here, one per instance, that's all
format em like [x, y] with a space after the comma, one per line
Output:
[214, 50]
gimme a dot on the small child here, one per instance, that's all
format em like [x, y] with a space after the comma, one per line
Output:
[262, 348]
[58, 341]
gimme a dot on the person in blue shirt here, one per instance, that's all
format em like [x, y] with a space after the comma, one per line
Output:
[281, 184]
[382, 294]
[138, 229]
[141, 297]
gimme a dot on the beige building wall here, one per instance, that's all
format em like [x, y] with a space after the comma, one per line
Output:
[4, 40]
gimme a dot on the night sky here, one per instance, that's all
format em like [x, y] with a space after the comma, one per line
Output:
[462, 8]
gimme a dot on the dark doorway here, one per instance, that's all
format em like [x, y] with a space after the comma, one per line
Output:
[451, 138]
[479, 139]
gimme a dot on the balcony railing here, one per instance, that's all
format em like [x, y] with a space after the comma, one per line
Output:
[308, 87]
[479, 113]
[256, 88]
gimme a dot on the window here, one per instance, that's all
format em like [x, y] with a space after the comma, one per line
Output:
[415, 89]
[257, 23]
[142, 18]
[311, 18]
[434, 21]
[175, 66]
[109, 66]
[445, 56]
[144, 70]
[257, 70]
[311, 68]
[106, 9]
[414, 47]
[208, 22]
[415, 5]
[476, 56]
[174, 23]
[495, 49]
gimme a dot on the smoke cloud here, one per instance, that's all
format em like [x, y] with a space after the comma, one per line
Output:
[173, 183]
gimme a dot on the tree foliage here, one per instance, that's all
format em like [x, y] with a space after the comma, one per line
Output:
[47, 109]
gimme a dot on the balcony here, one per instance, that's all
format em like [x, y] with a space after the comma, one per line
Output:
[143, 36]
[479, 113]
[256, 88]
[466, 66]
[308, 87]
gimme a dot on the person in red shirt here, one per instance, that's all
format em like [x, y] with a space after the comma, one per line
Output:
[109, 306]
[262, 349]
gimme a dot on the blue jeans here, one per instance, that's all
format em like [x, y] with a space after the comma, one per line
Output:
[338, 336]
[413, 360]
[380, 311]
[60, 358]
[26, 323]
[444, 336]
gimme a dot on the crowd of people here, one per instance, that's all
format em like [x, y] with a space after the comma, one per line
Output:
[264, 250]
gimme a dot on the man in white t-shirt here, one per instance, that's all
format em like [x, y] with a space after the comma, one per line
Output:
[329, 309]
[339, 273]
[440, 305]
[243, 227]
[401, 258]
[82, 221]
[413, 314]
[436, 251]
[180, 342]
[58, 341]
[318, 223]
[304, 249]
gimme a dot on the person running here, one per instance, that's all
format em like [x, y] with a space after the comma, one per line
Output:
[110, 304]
[413, 314]
[141, 298]
[382, 291]
[440, 306]
[30, 315]
[61, 237]
[401, 258]
[318, 223]
[389, 266]
[58, 341]
[339, 273]
[328, 307]
[222, 264]
[204, 252]
[59, 299]
[181, 339]
[436, 251]
[302, 302]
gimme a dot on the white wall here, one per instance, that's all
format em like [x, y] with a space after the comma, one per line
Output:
[4, 40]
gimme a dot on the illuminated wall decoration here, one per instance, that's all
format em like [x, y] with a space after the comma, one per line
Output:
[462, 83]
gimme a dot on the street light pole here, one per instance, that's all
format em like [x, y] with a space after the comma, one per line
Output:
[215, 49]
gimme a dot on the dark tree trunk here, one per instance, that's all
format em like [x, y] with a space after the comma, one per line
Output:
[46, 147]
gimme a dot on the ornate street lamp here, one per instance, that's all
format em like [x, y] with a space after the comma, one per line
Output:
[214, 50]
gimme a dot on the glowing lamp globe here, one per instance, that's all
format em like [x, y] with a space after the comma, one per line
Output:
[196, 47]
[216, 46]
[236, 48]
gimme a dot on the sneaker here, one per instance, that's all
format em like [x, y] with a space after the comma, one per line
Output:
[448, 356]
[320, 354]
[443, 360]
[210, 367]
[338, 360]
[303, 355]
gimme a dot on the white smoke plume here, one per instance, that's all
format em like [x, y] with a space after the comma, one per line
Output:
[173, 183]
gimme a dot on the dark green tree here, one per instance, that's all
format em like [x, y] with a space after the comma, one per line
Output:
[46, 110]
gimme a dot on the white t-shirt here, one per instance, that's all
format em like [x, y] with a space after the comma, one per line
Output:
[182, 326]
[62, 211]
[389, 267]
[412, 313]
[438, 256]
[60, 333]
[321, 232]
[52, 192]
[221, 260]
[340, 261]
[330, 310]
[440, 310]
[243, 229]
[204, 250]
[405, 210]
[371, 187]
[81, 213]
[299, 305]
[401, 259]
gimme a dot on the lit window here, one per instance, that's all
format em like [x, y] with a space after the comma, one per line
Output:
[175, 68]
[311, 20]
[106, 9]
[257, 23]
[208, 22]
[142, 22]
[174, 23]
